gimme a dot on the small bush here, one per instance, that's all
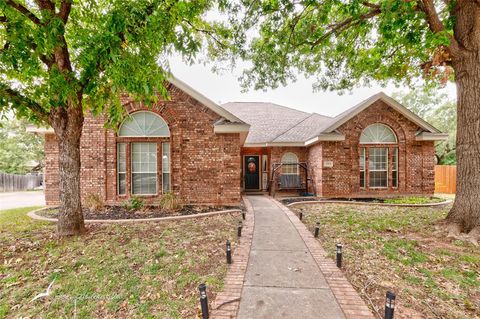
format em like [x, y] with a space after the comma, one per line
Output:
[94, 202]
[170, 202]
[134, 203]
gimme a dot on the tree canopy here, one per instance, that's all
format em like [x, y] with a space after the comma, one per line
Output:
[19, 150]
[88, 52]
[341, 44]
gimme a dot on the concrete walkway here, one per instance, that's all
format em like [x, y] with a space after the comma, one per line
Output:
[21, 199]
[282, 279]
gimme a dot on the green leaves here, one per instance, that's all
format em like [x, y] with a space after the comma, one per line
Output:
[340, 43]
[107, 47]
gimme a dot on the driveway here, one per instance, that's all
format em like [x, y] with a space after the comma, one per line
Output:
[21, 199]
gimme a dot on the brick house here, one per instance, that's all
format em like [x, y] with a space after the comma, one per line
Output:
[209, 154]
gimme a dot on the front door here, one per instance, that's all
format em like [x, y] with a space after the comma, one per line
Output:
[252, 172]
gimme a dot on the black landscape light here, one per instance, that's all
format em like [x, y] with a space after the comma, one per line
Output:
[239, 229]
[203, 300]
[339, 255]
[243, 215]
[300, 216]
[317, 229]
[229, 252]
[389, 305]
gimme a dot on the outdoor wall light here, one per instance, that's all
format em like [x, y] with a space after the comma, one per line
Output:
[317, 229]
[389, 305]
[229, 252]
[339, 255]
[203, 300]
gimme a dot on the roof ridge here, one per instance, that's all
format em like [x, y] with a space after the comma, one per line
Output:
[292, 127]
[272, 103]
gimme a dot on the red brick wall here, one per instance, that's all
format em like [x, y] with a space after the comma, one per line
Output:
[416, 159]
[205, 167]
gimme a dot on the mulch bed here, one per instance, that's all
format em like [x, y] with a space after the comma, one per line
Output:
[119, 212]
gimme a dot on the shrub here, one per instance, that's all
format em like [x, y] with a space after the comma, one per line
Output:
[94, 202]
[170, 202]
[134, 203]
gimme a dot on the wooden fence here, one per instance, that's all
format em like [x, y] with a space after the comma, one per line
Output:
[13, 183]
[445, 179]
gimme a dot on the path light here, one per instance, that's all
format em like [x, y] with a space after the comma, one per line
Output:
[317, 229]
[243, 215]
[389, 305]
[339, 255]
[239, 229]
[203, 300]
[229, 252]
[300, 216]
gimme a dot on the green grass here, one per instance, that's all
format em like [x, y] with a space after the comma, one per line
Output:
[131, 271]
[399, 248]
[414, 200]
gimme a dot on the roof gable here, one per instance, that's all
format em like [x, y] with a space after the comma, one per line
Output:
[350, 113]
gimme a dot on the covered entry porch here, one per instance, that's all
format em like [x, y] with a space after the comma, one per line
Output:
[274, 169]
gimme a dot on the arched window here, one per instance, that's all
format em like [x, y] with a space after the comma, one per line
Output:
[144, 136]
[291, 161]
[144, 124]
[378, 134]
[378, 161]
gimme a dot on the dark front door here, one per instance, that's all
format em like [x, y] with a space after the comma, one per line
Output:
[252, 172]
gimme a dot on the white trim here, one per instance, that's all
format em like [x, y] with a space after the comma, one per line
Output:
[427, 136]
[203, 99]
[346, 116]
[332, 137]
[156, 170]
[374, 143]
[230, 128]
[142, 136]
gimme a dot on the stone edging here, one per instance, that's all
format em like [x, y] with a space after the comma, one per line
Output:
[33, 215]
[350, 302]
[448, 201]
[227, 301]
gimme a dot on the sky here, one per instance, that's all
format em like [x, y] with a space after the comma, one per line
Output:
[299, 95]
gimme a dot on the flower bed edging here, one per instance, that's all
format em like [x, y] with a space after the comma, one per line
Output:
[446, 202]
[33, 215]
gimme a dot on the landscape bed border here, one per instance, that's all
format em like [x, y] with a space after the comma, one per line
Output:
[352, 202]
[33, 214]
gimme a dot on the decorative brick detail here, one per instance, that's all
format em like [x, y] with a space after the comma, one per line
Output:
[352, 305]
[227, 302]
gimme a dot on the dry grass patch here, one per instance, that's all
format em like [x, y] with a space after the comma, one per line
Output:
[400, 249]
[115, 271]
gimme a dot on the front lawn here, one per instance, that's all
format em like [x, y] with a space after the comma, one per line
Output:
[399, 248]
[115, 271]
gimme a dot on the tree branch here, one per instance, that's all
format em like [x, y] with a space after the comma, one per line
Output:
[64, 12]
[436, 25]
[23, 10]
[17, 98]
[345, 24]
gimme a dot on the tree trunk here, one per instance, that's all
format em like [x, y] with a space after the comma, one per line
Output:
[68, 129]
[466, 208]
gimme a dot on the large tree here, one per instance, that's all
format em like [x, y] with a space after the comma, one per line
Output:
[62, 58]
[348, 43]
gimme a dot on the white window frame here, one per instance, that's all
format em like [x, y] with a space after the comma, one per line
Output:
[169, 170]
[132, 172]
[287, 169]
[118, 168]
[378, 142]
[132, 118]
[362, 155]
[378, 170]
[395, 167]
